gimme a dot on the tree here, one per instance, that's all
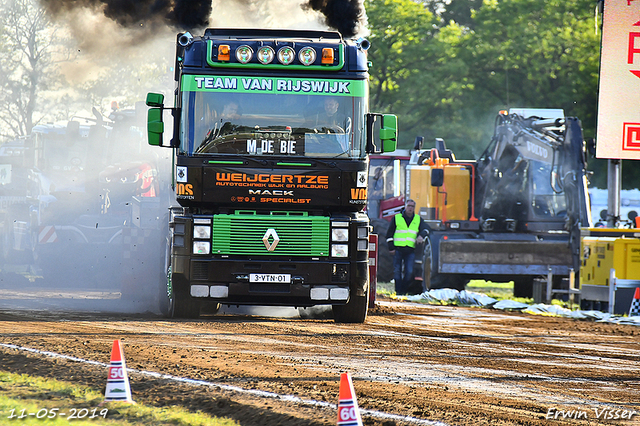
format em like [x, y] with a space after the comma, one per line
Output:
[531, 54]
[415, 69]
[539, 55]
[447, 67]
[26, 66]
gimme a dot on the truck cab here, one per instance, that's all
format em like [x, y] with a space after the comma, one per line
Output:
[271, 140]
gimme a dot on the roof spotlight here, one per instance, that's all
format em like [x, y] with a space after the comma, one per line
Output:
[244, 54]
[307, 55]
[266, 55]
[286, 55]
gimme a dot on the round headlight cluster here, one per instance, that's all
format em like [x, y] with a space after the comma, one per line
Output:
[266, 54]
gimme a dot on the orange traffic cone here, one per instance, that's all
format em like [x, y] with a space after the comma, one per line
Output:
[348, 412]
[634, 310]
[118, 388]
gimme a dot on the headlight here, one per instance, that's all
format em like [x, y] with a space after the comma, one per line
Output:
[200, 231]
[340, 234]
[286, 55]
[201, 247]
[266, 55]
[244, 54]
[307, 55]
[339, 250]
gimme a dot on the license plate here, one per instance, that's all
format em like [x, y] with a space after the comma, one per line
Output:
[269, 278]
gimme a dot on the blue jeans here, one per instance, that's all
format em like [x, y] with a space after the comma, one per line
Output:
[404, 258]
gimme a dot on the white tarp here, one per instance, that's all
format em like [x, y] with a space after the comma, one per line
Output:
[448, 296]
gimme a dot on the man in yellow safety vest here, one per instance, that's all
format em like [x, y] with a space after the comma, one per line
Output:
[405, 230]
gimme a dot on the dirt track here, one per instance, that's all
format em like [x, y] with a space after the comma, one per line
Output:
[458, 366]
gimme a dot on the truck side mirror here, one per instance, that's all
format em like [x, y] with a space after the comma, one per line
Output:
[386, 126]
[417, 146]
[155, 100]
[155, 126]
[389, 132]
[437, 177]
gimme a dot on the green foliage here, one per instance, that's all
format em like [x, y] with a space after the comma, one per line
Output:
[540, 55]
[447, 68]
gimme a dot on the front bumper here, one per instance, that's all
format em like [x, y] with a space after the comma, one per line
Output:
[227, 281]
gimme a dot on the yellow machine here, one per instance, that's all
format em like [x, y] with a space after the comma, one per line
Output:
[514, 214]
[437, 202]
[604, 249]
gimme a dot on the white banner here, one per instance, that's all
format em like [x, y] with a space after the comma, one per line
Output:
[618, 135]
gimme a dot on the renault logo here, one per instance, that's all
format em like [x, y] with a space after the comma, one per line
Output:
[271, 233]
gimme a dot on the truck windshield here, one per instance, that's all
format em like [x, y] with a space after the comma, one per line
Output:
[266, 124]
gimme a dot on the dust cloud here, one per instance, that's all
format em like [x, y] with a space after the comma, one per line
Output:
[85, 202]
[86, 225]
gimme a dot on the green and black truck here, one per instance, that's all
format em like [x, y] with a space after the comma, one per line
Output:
[271, 135]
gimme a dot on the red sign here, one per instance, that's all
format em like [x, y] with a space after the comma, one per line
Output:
[631, 136]
[116, 373]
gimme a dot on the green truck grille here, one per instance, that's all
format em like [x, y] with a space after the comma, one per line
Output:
[297, 234]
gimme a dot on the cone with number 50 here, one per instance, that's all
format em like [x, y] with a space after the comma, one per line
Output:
[348, 411]
[118, 388]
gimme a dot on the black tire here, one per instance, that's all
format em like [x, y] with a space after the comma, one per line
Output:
[523, 287]
[165, 294]
[165, 297]
[429, 277]
[182, 306]
[433, 280]
[385, 259]
[355, 311]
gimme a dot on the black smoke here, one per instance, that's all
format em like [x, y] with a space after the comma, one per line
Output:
[343, 15]
[182, 14]
[346, 16]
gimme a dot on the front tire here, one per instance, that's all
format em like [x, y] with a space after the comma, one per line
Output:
[430, 278]
[355, 311]
[183, 307]
[165, 295]
[165, 290]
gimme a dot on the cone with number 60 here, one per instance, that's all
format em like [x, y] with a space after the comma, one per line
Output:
[348, 411]
[118, 388]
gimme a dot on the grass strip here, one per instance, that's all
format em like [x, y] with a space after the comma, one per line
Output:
[30, 400]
